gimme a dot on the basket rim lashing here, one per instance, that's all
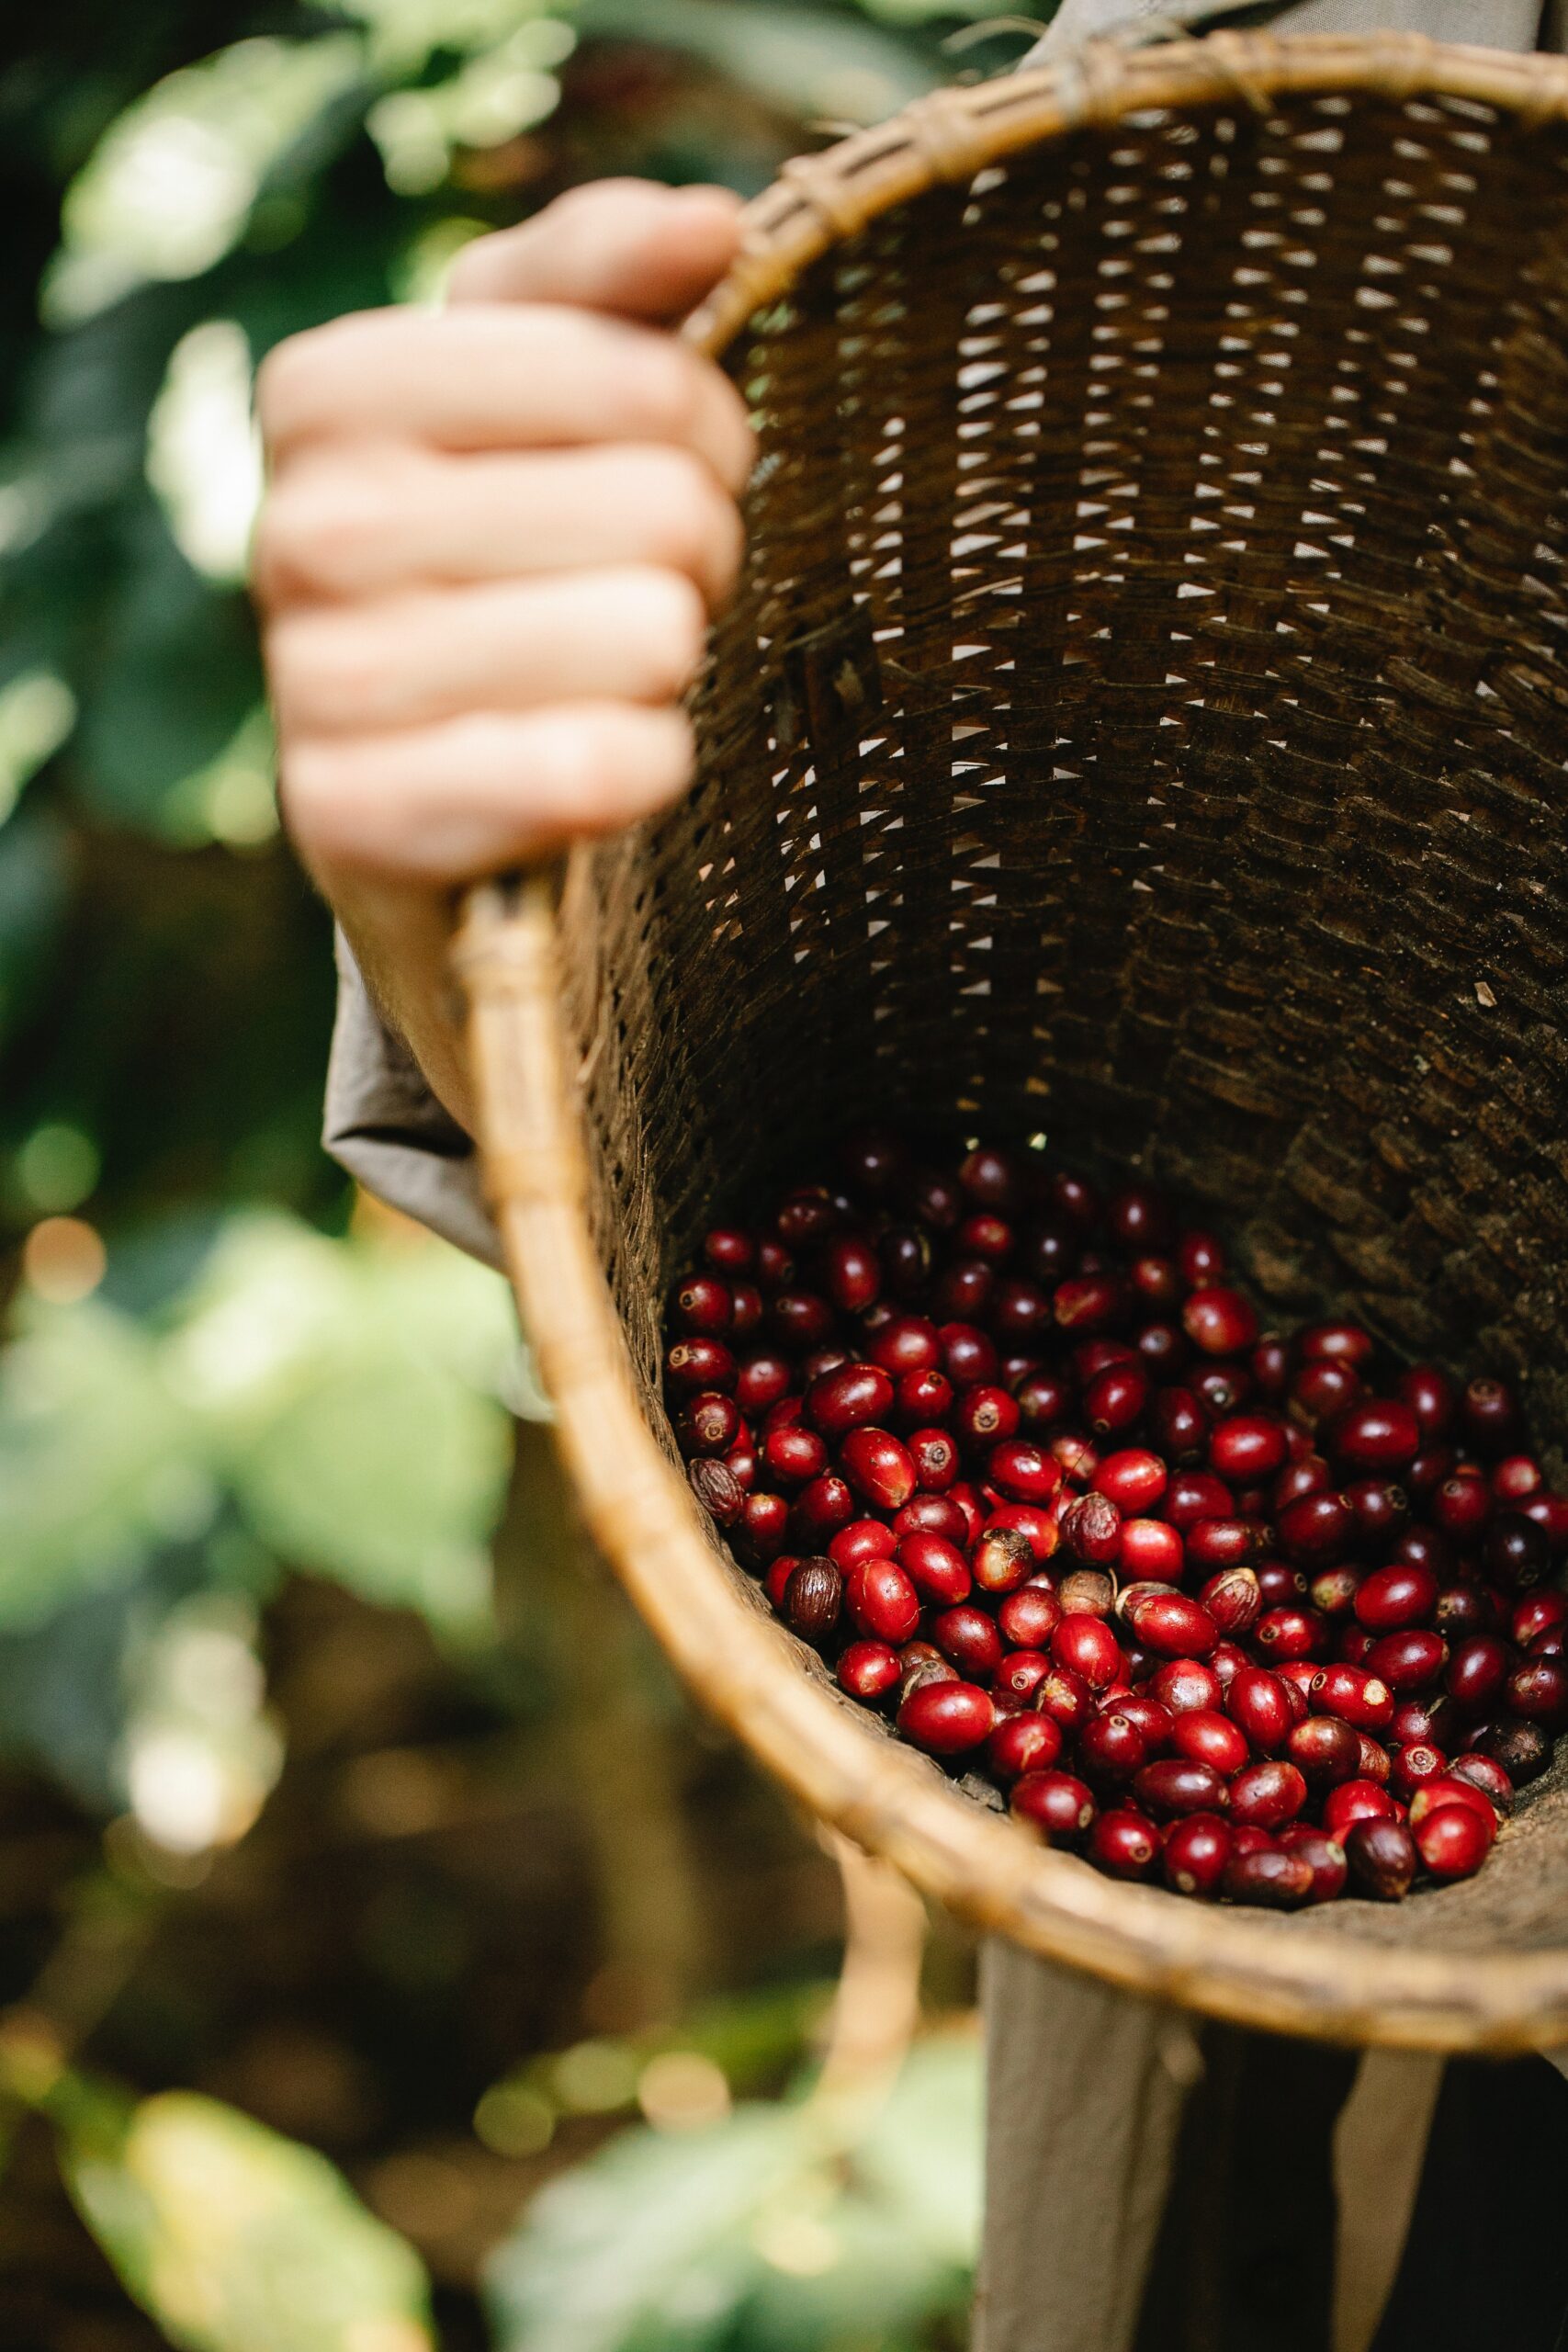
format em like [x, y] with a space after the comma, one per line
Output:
[1286, 1975]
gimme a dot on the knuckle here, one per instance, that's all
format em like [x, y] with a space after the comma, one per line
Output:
[661, 387]
[691, 525]
[672, 629]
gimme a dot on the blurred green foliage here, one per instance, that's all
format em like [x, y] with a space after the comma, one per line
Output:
[208, 1381]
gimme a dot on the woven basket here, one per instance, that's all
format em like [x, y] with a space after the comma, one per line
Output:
[1143, 719]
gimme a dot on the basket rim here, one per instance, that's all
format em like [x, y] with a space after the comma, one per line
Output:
[1276, 1974]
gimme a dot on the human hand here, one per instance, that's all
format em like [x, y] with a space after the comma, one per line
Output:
[485, 566]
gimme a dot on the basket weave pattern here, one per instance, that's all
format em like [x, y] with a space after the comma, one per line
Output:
[1142, 722]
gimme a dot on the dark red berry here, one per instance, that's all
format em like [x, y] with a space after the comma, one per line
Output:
[1485, 1773]
[1355, 1801]
[1205, 1736]
[1194, 1855]
[1022, 1471]
[1066, 1697]
[1523, 1749]
[1123, 1843]
[1111, 1748]
[1183, 1683]
[1453, 1842]
[879, 1467]
[1266, 1795]
[1092, 1529]
[1461, 1505]
[1175, 1785]
[1055, 1803]
[1133, 1479]
[946, 1718]
[1407, 1661]
[1516, 1551]
[812, 1598]
[934, 1566]
[869, 1670]
[1381, 1859]
[1219, 1321]
[1477, 1670]
[1324, 1856]
[882, 1601]
[1173, 1625]
[1393, 1597]
[1430, 1396]
[1150, 1550]
[1271, 1876]
[1324, 1751]
[1315, 1529]
[968, 1638]
[1029, 1616]
[1490, 1415]
[1376, 1435]
[1536, 1691]
[1089, 1647]
[1024, 1744]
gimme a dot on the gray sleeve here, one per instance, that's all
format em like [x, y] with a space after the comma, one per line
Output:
[1509, 24]
[384, 1125]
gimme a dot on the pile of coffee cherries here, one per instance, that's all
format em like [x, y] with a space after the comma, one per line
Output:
[1265, 1618]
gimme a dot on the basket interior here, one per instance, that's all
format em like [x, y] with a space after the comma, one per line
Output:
[1142, 725]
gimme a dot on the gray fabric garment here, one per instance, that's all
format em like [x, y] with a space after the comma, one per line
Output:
[1086, 2084]
[386, 1127]
[1499, 24]
[1085, 2087]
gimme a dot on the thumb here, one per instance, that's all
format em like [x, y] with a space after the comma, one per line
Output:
[625, 246]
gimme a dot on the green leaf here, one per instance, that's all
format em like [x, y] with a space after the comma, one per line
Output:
[100, 1462]
[352, 1387]
[235, 2239]
[809, 60]
[763, 2231]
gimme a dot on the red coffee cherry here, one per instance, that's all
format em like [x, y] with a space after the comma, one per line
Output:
[1184, 1683]
[882, 1603]
[1022, 1471]
[1125, 1844]
[792, 1456]
[985, 1415]
[821, 1508]
[1538, 1692]
[1408, 1661]
[1175, 1785]
[1246, 1447]
[1477, 1670]
[1453, 1842]
[1355, 1801]
[1324, 1751]
[1393, 1597]
[1484, 1773]
[1088, 1646]
[1171, 1625]
[1024, 1744]
[863, 1539]
[907, 1343]
[1233, 1599]
[1376, 1435]
[1324, 1856]
[1315, 1528]
[1383, 1859]
[846, 1399]
[935, 1567]
[1029, 1616]
[1219, 1321]
[877, 1467]
[695, 1364]
[1133, 1480]
[1061, 1807]
[761, 1381]
[1430, 1393]
[1268, 1876]
[1448, 1789]
[1151, 1550]
[947, 1718]
[969, 1640]
[1205, 1736]
[1355, 1696]
[869, 1670]
[1266, 1795]
[1066, 1697]
[1111, 1748]
[1092, 1529]
[1195, 1854]
[1180, 1424]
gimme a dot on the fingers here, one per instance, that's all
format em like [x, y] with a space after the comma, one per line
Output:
[635, 634]
[487, 377]
[446, 805]
[372, 521]
[622, 245]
